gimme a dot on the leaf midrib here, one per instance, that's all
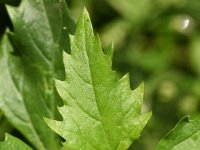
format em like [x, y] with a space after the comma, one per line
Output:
[52, 98]
[91, 76]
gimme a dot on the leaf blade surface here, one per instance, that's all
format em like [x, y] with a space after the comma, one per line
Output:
[100, 111]
[30, 65]
[12, 142]
[185, 135]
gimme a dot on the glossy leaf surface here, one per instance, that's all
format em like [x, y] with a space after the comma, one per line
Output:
[29, 66]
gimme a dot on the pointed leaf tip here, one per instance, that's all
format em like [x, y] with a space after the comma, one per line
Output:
[85, 13]
[85, 17]
[141, 86]
[109, 50]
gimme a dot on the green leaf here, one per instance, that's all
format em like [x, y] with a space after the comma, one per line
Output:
[11, 100]
[5, 126]
[100, 111]
[185, 136]
[27, 88]
[13, 143]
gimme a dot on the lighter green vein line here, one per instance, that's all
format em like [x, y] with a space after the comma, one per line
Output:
[52, 98]
[80, 75]
[80, 132]
[82, 108]
[85, 46]
[40, 52]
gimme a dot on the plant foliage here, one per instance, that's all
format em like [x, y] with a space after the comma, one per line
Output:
[184, 136]
[156, 41]
[27, 75]
[100, 111]
[13, 143]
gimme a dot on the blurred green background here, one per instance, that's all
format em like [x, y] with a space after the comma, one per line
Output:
[156, 41]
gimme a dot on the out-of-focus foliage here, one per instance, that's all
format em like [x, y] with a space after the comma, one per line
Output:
[4, 22]
[184, 136]
[12, 142]
[157, 41]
